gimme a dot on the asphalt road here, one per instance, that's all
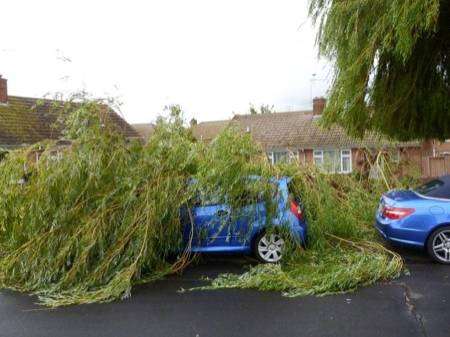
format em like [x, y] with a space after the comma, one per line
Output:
[415, 305]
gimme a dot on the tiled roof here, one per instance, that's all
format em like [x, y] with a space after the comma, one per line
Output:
[208, 130]
[145, 130]
[25, 121]
[300, 129]
[297, 129]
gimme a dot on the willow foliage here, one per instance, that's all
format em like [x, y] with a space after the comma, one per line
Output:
[105, 213]
[343, 252]
[87, 224]
[391, 65]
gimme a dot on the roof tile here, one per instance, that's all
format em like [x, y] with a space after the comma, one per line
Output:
[209, 130]
[300, 129]
[25, 121]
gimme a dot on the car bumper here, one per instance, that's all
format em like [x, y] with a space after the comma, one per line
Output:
[299, 232]
[398, 235]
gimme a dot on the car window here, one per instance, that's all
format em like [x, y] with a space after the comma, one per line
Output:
[294, 195]
[247, 195]
[257, 192]
[204, 199]
[430, 186]
[250, 194]
[435, 188]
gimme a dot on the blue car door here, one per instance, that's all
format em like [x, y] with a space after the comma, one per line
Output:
[211, 224]
[247, 221]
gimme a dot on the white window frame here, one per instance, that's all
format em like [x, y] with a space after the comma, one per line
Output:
[270, 156]
[347, 154]
[343, 154]
[290, 155]
[318, 154]
[294, 156]
[281, 154]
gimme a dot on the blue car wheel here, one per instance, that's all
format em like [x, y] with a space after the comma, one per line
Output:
[268, 247]
[438, 245]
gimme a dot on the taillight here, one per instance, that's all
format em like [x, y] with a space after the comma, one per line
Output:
[397, 213]
[296, 210]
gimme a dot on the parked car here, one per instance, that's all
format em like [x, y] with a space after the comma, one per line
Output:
[418, 218]
[217, 229]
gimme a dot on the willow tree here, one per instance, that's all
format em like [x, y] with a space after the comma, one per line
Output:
[391, 65]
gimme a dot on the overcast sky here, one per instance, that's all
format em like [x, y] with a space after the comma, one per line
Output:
[213, 57]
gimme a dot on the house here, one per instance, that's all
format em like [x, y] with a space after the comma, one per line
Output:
[207, 131]
[25, 121]
[297, 135]
[145, 130]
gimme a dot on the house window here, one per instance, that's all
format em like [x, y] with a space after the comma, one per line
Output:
[346, 161]
[318, 158]
[280, 157]
[333, 161]
[276, 157]
[328, 160]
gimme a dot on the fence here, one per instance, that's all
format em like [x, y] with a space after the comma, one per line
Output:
[435, 166]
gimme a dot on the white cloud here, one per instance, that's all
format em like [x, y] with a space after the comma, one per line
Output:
[212, 57]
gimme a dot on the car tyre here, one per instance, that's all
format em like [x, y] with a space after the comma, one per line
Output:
[268, 247]
[438, 245]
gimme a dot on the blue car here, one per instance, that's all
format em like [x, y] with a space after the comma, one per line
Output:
[418, 218]
[214, 228]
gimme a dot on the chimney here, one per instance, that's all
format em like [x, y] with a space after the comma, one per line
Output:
[3, 90]
[318, 105]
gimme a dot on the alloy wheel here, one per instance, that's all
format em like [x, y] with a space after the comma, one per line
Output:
[441, 246]
[270, 248]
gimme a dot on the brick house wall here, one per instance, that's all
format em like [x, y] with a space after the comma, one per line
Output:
[412, 155]
[357, 159]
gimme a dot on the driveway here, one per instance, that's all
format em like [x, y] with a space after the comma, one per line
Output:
[415, 305]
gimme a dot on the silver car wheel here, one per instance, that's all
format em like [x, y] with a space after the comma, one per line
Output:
[270, 248]
[441, 246]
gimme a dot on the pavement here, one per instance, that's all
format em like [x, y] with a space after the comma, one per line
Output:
[414, 305]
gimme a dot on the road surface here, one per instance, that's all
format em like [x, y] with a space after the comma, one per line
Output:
[415, 305]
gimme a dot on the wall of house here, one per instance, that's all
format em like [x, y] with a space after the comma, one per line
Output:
[358, 159]
[413, 157]
[410, 156]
